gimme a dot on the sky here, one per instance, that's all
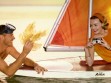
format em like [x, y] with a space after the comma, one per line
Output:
[31, 2]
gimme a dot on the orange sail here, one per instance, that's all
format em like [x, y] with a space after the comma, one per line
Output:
[73, 29]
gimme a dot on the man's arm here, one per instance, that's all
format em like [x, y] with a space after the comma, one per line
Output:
[36, 66]
[27, 61]
[11, 69]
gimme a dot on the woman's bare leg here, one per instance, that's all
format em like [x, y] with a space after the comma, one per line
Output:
[89, 55]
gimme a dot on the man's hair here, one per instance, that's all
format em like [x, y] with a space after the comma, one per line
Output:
[7, 29]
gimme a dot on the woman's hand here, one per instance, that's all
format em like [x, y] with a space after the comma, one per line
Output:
[39, 69]
[90, 44]
[105, 44]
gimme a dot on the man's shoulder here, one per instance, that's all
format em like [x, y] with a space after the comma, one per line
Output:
[10, 48]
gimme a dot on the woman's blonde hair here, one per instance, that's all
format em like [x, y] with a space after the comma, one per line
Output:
[102, 20]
